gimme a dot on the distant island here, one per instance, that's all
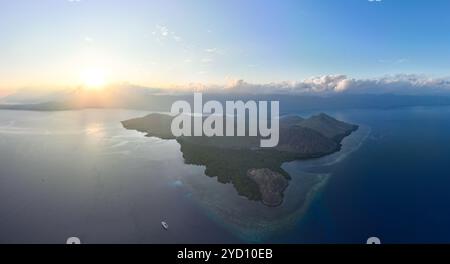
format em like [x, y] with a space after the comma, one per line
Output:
[255, 172]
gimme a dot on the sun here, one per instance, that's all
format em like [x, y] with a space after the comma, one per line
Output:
[94, 78]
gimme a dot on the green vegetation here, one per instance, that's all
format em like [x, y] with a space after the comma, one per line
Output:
[231, 158]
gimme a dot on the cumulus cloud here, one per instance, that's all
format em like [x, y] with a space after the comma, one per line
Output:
[401, 84]
[339, 84]
[398, 84]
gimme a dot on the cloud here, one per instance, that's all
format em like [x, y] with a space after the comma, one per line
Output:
[394, 61]
[403, 84]
[176, 38]
[162, 33]
[88, 39]
[400, 84]
[211, 50]
[340, 84]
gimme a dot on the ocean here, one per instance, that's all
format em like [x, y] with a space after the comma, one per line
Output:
[80, 173]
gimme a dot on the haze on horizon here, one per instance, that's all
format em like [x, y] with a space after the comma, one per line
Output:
[245, 44]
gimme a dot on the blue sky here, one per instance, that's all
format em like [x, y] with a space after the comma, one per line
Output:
[52, 42]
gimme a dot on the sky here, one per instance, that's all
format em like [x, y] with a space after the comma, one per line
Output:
[57, 43]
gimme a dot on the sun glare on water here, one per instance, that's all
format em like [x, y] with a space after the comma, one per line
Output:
[94, 78]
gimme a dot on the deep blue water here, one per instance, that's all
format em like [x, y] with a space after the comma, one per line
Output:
[395, 187]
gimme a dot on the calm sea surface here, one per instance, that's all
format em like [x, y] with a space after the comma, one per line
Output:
[80, 173]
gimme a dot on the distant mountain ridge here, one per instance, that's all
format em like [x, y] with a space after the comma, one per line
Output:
[154, 99]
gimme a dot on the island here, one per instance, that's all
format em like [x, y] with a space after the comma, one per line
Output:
[255, 172]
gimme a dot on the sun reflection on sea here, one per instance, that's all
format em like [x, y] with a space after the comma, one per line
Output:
[95, 130]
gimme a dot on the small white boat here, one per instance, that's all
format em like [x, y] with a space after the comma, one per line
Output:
[165, 225]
